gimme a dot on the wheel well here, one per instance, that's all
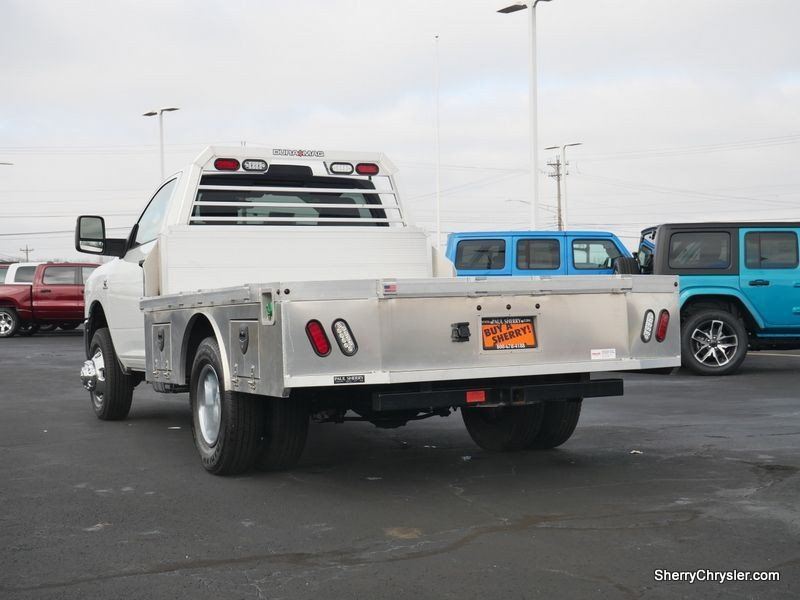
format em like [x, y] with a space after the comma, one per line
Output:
[727, 303]
[96, 320]
[199, 328]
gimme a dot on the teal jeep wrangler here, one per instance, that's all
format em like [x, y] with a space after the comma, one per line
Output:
[739, 287]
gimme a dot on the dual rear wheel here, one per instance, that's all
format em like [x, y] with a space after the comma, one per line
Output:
[541, 426]
[234, 431]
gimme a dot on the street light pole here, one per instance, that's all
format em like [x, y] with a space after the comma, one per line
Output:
[562, 180]
[438, 156]
[160, 113]
[534, 105]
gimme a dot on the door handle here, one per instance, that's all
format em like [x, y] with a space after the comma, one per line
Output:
[758, 282]
[45, 291]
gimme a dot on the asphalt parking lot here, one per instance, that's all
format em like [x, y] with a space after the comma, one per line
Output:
[683, 473]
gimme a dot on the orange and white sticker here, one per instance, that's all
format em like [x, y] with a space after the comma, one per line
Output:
[508, 333]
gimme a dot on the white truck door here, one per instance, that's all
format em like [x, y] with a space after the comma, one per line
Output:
[125, 282]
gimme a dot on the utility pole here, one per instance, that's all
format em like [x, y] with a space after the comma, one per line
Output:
[27, 252]
[557, 175]
[562, 182]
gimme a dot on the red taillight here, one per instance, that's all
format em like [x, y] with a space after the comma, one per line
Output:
[318, 338]
[663, 325]
[226, 164]
[367, 169]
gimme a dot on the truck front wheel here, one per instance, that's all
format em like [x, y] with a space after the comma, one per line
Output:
[9, 322]
[713, 342]
[113, 391]
[503, 428]
[558, 423]
[226, 426]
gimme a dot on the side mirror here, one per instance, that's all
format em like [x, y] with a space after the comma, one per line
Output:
[90, 237]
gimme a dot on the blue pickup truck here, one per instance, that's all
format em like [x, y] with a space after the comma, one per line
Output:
[739, 287]
[530, 253]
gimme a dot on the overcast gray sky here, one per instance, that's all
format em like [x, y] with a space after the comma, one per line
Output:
[688, 110]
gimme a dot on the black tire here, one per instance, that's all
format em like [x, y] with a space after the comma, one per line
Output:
[625, 265]
[9, 322]
[505, 428]
[48, 327]
[69, 325]
[558, 423]
[230, 447]
[284, 433]
[112, 398]
[696, 343]
[27, 329]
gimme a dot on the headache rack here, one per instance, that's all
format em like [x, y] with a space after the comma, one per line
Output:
[292, 195]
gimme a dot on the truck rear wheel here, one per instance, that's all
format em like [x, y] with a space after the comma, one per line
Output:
[558, 423]
[284, 434]
[113, 393]
[9, 322]
[27, 329]
[226, 425]
[713, 342]
[503, 428]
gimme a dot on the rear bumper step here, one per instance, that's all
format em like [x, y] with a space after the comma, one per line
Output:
[444, 398]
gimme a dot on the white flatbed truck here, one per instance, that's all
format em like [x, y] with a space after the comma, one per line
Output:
[280, 286]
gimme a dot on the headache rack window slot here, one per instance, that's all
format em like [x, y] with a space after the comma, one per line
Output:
[307, 190]
[290, 218]
[294, 205]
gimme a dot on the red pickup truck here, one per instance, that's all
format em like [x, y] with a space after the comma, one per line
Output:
[54, 298]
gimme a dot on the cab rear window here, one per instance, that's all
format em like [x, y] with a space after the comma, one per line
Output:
[24, 275]
[481, 255]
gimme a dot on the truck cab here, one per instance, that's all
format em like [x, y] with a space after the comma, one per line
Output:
[534, 253]
[739, 287]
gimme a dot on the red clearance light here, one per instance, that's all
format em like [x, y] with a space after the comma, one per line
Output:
[663, 325]
[476, 396]
[318, 338]
[367, 169]
[226, 164]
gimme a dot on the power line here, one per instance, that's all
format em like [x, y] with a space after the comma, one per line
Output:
[55, 232]
[696, 149]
